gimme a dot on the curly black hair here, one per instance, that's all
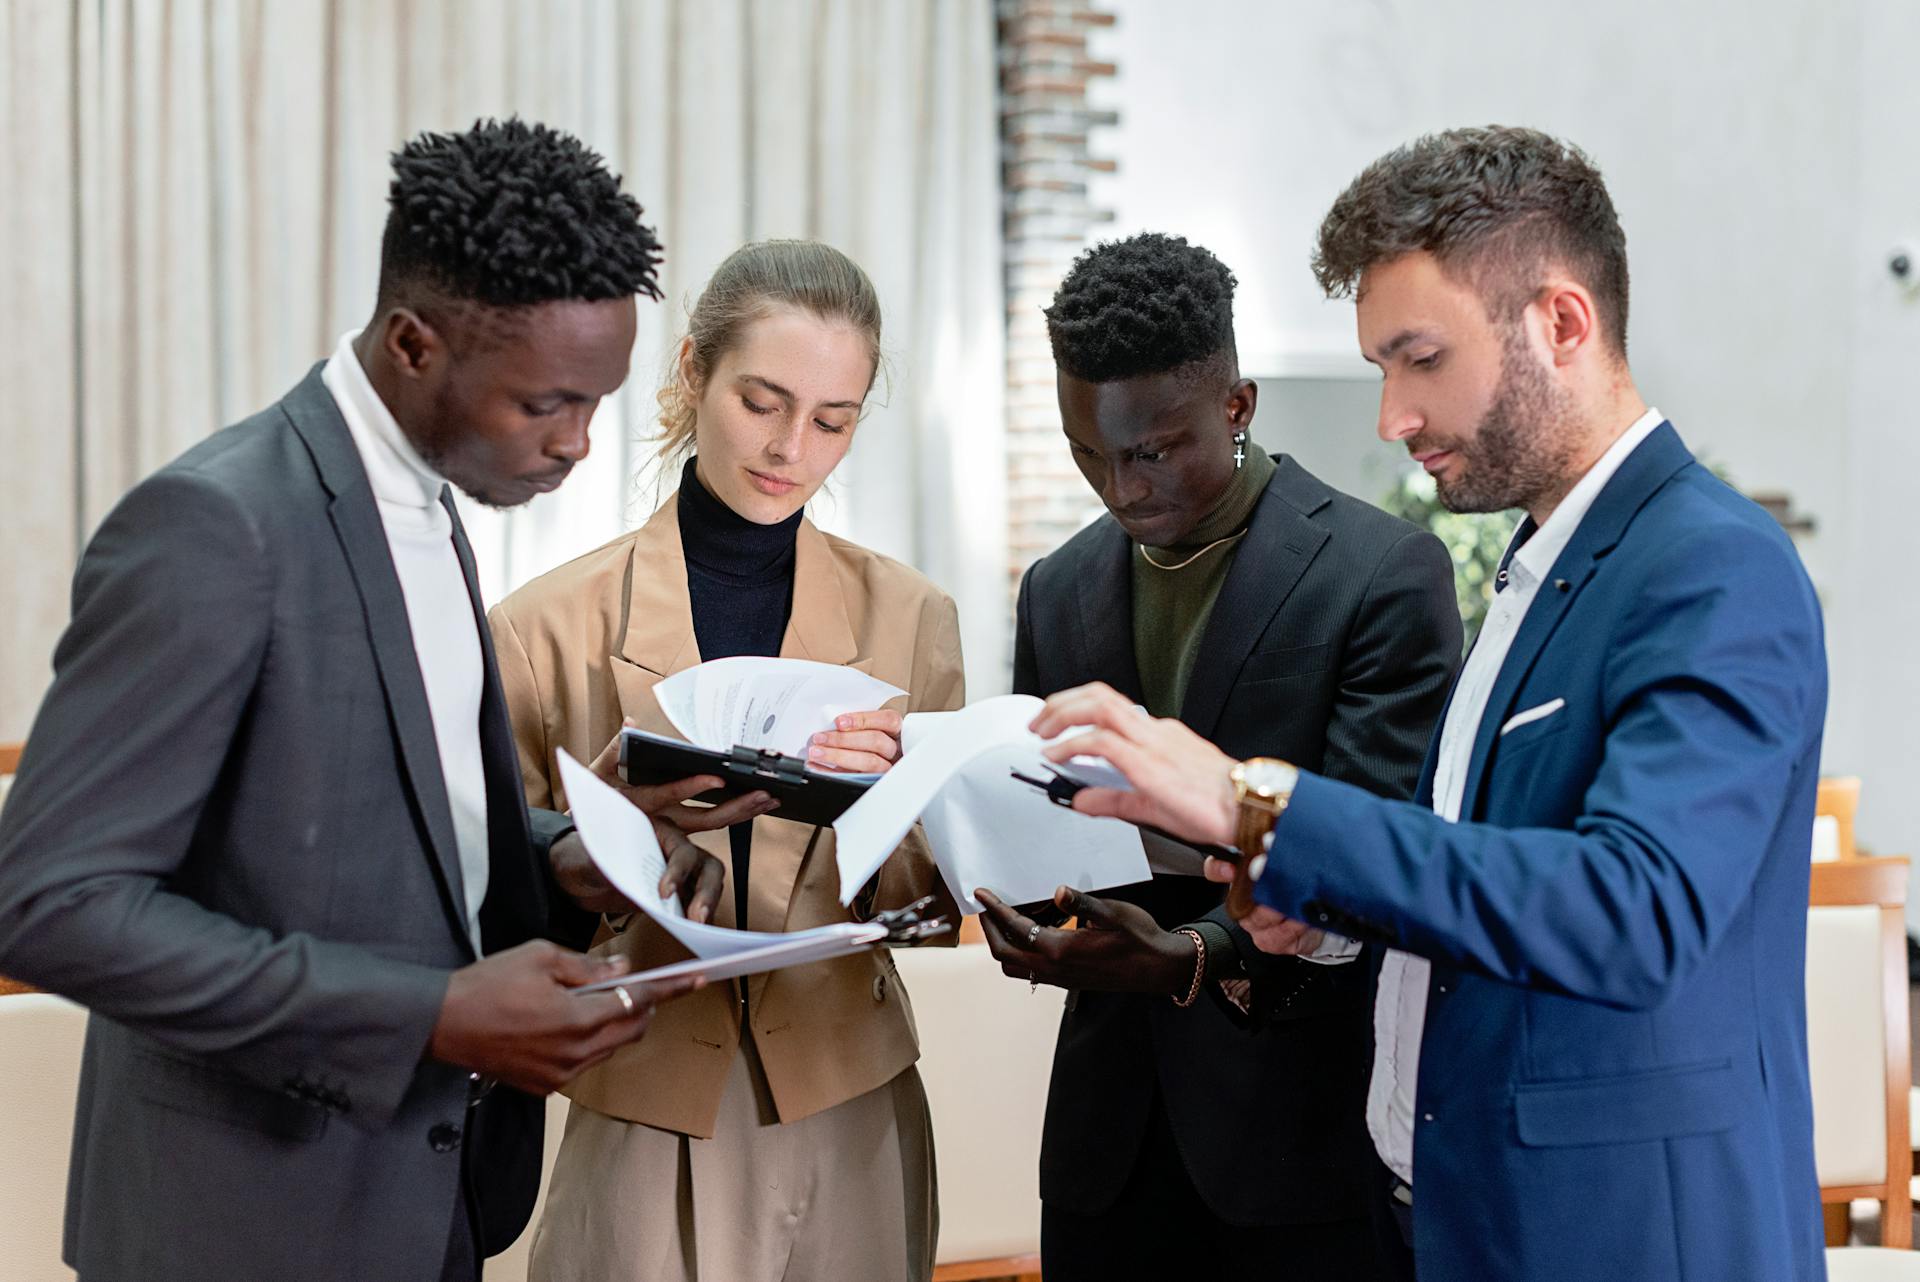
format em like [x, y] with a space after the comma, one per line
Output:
[510, 214]
[1143, 305]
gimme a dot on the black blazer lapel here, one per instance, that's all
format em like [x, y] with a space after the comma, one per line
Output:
[1652, 463]
[356, 522]
[1105, 604]
[1280, 544]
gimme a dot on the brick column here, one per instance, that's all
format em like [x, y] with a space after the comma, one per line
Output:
[1044, 72]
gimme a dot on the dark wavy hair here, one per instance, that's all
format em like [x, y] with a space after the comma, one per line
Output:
[1497, 206]
[508, 215]
[1143, 305]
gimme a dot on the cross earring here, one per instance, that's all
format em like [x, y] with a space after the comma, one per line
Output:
[1239, 449]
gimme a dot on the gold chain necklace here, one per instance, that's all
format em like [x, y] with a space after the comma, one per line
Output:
[1181, 565]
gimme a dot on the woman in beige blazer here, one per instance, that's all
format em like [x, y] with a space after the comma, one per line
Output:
[773, 1127]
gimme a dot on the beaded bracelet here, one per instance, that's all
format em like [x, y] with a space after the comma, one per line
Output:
[1199, 966]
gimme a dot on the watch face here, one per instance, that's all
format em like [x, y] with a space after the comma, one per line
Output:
[1269, 778]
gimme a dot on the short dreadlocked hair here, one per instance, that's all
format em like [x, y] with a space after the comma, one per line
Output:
[508, 215]
[1498, 207]
[1143, 305]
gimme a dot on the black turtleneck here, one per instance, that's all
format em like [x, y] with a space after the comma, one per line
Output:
[740, 586]
[739, 574]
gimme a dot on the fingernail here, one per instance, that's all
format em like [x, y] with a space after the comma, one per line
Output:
[700, 914]
[1257, 867]
[615, 965]
[844, 723]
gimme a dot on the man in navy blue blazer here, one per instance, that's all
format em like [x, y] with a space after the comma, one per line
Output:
[1591, 1056]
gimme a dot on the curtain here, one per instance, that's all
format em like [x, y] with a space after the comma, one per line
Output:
[197, 189]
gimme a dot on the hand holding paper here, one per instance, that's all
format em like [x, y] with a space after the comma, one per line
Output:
[984, 826]
[1177, 781]
[749, 702]
[621, 841]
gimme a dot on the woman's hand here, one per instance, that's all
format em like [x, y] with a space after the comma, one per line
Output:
[860, 743]
[668, 801]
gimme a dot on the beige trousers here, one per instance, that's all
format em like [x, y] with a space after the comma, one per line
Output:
[846, 1195]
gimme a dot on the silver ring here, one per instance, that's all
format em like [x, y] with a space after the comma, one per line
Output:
[626, 1000]
[1033, 933]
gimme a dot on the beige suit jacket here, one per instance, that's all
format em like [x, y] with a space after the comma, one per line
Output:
[581, 647]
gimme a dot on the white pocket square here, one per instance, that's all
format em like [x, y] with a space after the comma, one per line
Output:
[1531, 715]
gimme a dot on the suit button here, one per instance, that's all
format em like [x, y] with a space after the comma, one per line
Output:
[444, 1137]
[879, 988]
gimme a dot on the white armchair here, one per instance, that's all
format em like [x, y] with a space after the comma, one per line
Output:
[1857, 1038]
[40, 1039]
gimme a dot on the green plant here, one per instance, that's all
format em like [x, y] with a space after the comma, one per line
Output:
[1475, 541]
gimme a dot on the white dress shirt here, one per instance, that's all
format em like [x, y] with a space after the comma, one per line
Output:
[446, 639]
[1400, 1010]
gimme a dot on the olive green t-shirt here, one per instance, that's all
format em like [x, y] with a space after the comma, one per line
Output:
[1171, 606]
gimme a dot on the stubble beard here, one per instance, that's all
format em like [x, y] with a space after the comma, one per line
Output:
[1525, 445]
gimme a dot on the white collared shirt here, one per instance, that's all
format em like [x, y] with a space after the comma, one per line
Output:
[446, 639]
[1400, 1010]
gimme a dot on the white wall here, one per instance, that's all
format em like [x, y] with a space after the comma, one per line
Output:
[1760, 158]
[1874, 608]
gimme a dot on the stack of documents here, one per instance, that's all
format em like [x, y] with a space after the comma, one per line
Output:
[985, 827]
[621, 841]
[776, 704]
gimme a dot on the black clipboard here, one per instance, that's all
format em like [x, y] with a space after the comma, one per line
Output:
[805, 796]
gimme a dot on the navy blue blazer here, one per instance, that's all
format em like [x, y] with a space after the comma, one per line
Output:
[1613, 1081]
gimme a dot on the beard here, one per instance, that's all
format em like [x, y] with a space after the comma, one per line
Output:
[1524, 445]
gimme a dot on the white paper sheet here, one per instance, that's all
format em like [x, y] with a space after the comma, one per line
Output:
[828, 942]
[620, 839]
[985, 827]
[766, 703]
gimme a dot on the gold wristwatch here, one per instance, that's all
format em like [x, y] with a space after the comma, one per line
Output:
[1262, 786]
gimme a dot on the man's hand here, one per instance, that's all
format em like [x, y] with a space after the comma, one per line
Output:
[861, 743]
[1181, 783]
[1118, 947]
[514, 1017]
[691, 872]
[668, 801]
[1271, 932]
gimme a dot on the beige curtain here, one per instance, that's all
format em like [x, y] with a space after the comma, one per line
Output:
[197, 188]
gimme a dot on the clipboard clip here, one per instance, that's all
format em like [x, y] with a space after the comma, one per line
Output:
[765, 763]
[906, 926]
[1060, 790]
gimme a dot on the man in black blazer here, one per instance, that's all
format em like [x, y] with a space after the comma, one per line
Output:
[1270, 613]
[269, 825]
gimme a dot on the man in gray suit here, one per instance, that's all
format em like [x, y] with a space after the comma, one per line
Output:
[269, 825]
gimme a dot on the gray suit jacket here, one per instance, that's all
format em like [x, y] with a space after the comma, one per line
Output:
[230, 839]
